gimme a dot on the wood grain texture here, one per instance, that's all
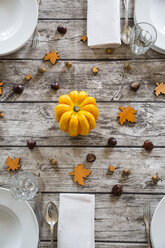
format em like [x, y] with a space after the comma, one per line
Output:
[71, 9]
[116, 219]
[24, 120]
[104, 245]
[112, 83]
[69, 45]
[142, 165]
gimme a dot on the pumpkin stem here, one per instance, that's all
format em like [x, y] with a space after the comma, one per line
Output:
[76, 108]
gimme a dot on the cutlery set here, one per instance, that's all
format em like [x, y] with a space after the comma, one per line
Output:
[36, 34]
[126, 30]
[51, 211]
[147, 220]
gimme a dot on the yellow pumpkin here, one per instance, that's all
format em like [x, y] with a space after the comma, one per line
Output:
[76, 113]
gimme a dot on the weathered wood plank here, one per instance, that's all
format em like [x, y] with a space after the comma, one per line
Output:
[69, 46]
[104, 245]
[112, 83]
[142, 165]
[68, 9]
[23, 120]
[116, 219]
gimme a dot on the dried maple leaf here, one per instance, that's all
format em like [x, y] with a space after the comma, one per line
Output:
[112, 168]
[95, 69]
[52, 56]
[13, 164]
[1, 84]
[79, 174]
[84, 38]
[160, 89]
[28, 77]
[127, 114]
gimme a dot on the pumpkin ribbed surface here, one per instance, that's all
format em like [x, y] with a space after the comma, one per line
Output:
[76, 113]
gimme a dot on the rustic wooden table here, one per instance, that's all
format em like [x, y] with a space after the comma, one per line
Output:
[118, 222]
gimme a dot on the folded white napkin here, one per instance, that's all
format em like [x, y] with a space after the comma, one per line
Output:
[76, 221]
[103, 23]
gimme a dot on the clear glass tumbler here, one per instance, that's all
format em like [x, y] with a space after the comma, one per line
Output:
[23, 186]
[143, 36]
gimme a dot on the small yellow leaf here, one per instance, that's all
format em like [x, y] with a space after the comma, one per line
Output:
[84, 38]
[95, 69]
[112, 168]
[1, 84]
[28, 77]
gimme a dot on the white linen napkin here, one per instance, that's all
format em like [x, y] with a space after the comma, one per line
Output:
[76, 221]
[103, 23]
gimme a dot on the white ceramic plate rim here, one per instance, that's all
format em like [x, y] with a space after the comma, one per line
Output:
[27, 207]
[155, 212]
[144, 16]
[25, 32]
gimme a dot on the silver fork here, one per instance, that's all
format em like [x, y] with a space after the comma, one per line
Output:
[147, 220]
[36, 34]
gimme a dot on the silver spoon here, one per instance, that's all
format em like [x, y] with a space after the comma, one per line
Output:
[51, 217]
[125, 32]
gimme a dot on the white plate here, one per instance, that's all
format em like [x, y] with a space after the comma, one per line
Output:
[18, 21]
[18, 224]
[158, 226]
[152, 11]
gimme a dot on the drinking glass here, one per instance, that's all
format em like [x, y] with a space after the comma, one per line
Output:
[23, 186]
[143, 36]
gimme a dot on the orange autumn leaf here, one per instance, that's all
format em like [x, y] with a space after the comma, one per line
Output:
[84, 38]
[95, 69]
[79, 173]
[112, 168]
[160, 89]
[13, 164]
[127, 114]
[52, 56]
[1, 84]
[28, 77]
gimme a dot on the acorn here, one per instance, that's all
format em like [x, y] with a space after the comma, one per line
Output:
[41, 69]
[126, 172]
[108, 50]
[127, 67]
[156, 178]
[1, 114]
[68, 64]
[53, 162]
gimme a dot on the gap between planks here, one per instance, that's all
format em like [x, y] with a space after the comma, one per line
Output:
[104, 193]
